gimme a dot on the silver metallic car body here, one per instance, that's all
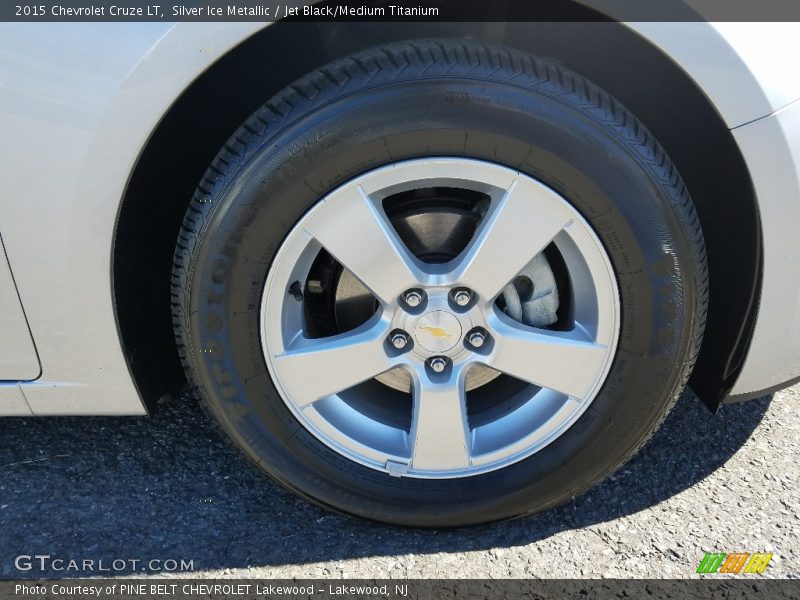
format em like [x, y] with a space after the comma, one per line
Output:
[74, 118]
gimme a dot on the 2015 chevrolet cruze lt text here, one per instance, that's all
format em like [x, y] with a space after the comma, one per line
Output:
[427, 274]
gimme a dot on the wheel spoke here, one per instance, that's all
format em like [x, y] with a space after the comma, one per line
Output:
[319, 367]
[355, 230]
[518, 227]
[565, 361]
[439, 431]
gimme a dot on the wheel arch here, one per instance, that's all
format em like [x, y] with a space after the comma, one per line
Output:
[658, 91]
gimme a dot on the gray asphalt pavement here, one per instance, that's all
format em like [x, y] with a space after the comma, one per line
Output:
[167, 487]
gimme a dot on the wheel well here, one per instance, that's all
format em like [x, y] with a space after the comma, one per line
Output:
[645, 80]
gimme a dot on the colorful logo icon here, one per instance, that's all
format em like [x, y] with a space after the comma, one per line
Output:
[736, 562]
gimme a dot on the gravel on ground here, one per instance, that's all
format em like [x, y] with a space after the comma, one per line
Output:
[167, 487]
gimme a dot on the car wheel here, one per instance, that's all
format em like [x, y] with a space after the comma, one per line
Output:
[440, 283]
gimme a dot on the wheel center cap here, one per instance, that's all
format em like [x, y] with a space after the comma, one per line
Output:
[437, 331]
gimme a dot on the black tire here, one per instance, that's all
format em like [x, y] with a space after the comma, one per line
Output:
[440, 98]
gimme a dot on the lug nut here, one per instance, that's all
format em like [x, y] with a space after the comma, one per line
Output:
[462, 297]
[476, 339]
[438, 363]
[413, 298]
[399, 339]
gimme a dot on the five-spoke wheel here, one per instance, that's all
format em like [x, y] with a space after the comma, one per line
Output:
[436, 321]
[440, 283]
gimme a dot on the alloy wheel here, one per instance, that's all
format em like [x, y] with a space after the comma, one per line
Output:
[454, 367]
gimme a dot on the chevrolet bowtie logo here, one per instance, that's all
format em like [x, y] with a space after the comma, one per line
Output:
[436, 331]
